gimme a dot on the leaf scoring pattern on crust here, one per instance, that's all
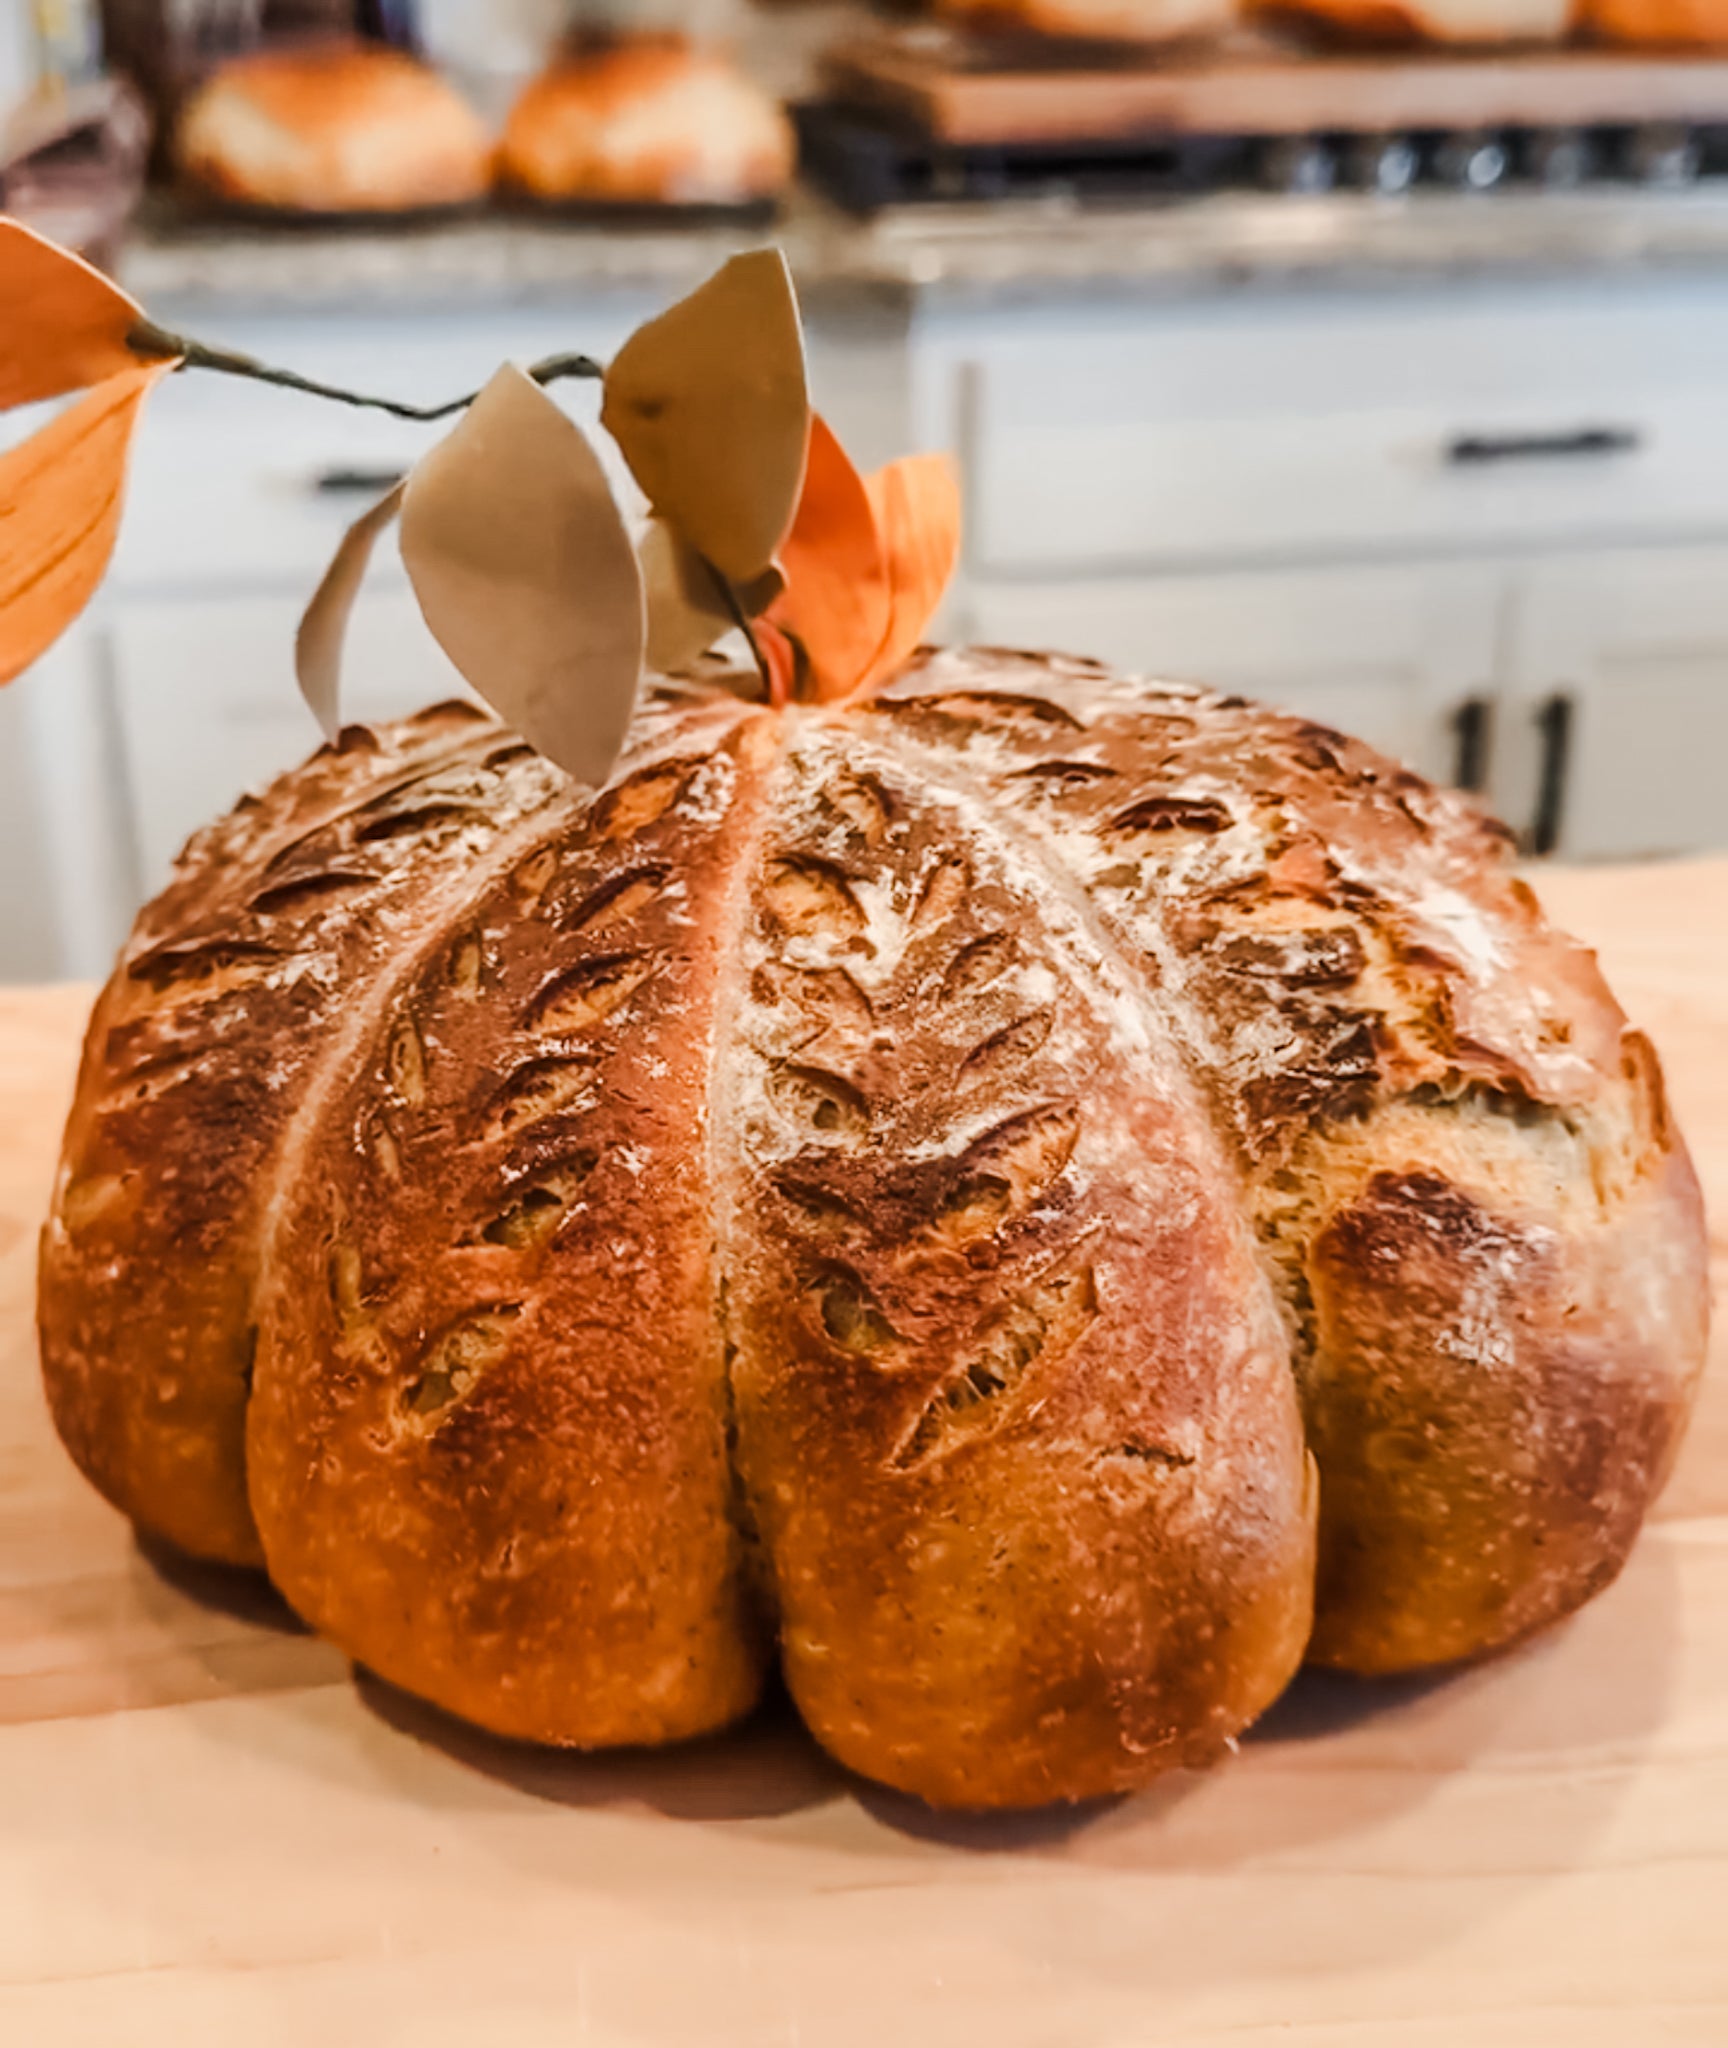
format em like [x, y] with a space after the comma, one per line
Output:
[989, 956]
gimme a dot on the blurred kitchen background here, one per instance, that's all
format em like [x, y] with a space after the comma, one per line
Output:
[1373, 361]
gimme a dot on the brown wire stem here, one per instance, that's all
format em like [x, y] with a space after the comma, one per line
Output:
[743, 625]
[147, 339]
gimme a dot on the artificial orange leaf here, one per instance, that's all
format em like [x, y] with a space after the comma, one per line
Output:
[524, 571]
[324, 623]
[60, 498]
[837, 603]
[778, 659]
[63, 326]
[917, 506]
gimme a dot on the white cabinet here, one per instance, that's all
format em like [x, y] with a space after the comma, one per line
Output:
[207, 706]
[1404, 657]
[1107, 435]
[1483, 525]
[1616, 702]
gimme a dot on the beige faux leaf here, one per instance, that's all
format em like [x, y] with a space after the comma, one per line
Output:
[524, 571]
[760, 592]
[324, 623]
[688, 606]
[710, 406]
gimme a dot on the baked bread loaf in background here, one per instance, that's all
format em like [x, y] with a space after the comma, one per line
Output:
[1464, 22]
[1126, 21]
[1676, 24]
[647, 119]
[336, 127]
[1038, 1198]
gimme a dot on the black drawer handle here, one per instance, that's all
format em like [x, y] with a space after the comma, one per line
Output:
[1474, 451]
[1472, 733]
[351, 482]
[1554, 723]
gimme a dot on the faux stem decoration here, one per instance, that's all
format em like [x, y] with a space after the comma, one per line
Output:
[548, 601]
[147, 339]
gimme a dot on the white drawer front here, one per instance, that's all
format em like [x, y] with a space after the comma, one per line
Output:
[1316, 427]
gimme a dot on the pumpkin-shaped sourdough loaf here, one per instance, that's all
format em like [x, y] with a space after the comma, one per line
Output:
[1039, 1198]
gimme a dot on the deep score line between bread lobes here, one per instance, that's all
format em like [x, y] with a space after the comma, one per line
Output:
[1035, 1198]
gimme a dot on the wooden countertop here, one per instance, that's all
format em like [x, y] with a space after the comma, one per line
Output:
[211, 1834]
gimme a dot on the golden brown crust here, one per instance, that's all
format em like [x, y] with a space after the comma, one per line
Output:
[647, 119]
[339, 127]
[1494, 1402]
[198, 1054]
[488, 1365]
[1365, 987]
[1014, 1414]
[871, 1175]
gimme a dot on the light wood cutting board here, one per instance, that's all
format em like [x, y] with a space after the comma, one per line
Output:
[967, 90]
[212, 1836]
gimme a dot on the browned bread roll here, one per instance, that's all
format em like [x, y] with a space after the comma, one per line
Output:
[649, 119]
[1127, 21]
[916, 1187]
[1466, 22]
[338, 127]
[1690, 24]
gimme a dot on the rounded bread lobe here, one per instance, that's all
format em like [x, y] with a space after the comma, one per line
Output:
[339, 127]
[198, 1054]
[1505, 1323]
[1015, 1421]
[487, 1442]
[650, 120]
[1485, 1231]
